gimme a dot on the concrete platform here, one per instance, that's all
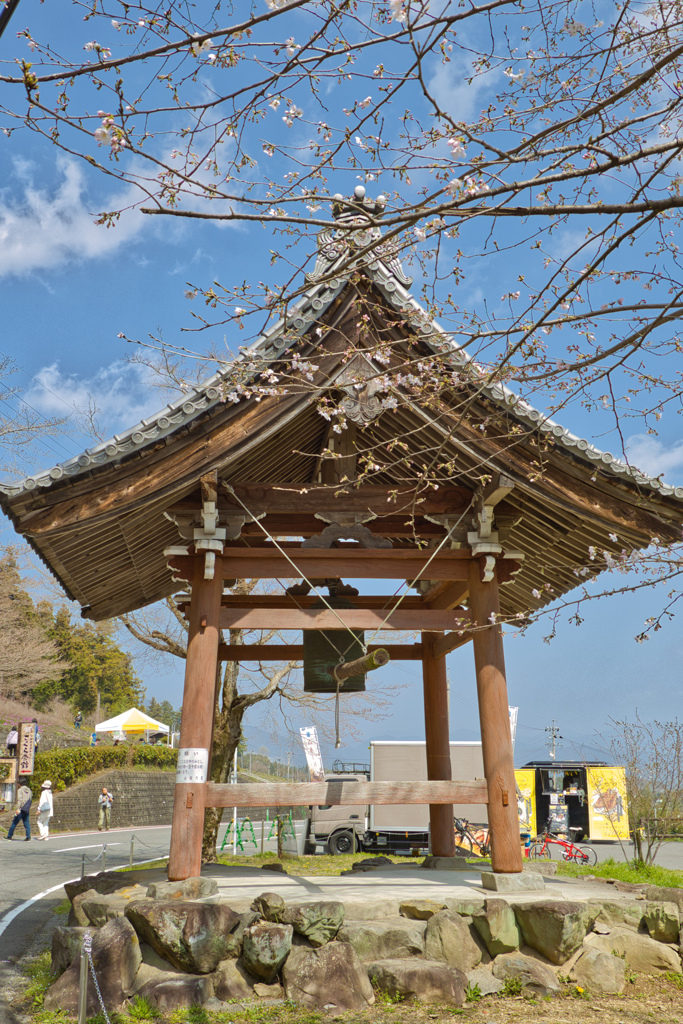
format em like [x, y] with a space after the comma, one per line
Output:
[241, 885]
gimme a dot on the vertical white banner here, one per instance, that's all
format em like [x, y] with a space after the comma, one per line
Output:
[314, 757]
[513, 723]
[27, 746]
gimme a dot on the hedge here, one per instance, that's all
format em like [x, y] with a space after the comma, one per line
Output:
[67, 766]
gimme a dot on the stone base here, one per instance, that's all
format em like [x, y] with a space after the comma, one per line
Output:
[511, 883]
[447, 864]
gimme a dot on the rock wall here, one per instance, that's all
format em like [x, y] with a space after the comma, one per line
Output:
[140, 798]
[179, 944]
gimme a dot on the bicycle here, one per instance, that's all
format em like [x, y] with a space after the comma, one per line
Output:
[584, 856]
[479, 837]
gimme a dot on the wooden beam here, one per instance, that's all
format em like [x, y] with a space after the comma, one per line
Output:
[315, 563]
[346, 498]
[437, 743]
[352, 618]
[446, 595]
[494, 719]
[187, 827]
[450, 642]
[304, 524]
[379, 601]
[343, 793]
[295, 652]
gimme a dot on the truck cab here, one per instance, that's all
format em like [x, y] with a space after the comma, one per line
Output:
[340, 829]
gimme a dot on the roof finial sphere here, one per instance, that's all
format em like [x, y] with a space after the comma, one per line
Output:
[337, 197]
[359, 192]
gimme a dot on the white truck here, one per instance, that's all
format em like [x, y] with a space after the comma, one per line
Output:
[397, 828]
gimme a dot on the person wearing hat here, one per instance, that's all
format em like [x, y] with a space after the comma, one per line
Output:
[45, 810]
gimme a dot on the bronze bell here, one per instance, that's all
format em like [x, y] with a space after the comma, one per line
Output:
[321, 654]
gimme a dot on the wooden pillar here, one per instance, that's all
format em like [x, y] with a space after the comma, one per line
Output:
[197, 723]
[435, 685]
[494, 718]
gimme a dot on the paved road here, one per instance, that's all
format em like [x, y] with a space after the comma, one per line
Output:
[30, 869]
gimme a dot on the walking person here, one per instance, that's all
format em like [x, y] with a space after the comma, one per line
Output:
[45, 810]
[78, 721]
[105, 801]
[12, 741]
[22, 810]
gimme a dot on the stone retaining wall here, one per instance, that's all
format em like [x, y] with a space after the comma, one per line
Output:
[140, 798]
[179, 944]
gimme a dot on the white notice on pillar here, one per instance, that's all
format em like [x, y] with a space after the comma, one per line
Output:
[193, 763]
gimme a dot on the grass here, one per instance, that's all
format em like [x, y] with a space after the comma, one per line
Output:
[646, 874]
[40, 975]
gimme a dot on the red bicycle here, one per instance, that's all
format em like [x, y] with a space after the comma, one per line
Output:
[584, 856]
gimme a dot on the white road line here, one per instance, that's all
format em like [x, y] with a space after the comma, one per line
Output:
[68, 849]
[8, 918]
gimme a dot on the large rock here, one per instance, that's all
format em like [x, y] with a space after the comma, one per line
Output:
[331, 978]
[537, 979]
[554, 928]
[319, 922]
[420, 910]
[66, 944]
[428, 981]
[395, 937]
[466, 906]
[484, 979]
[662, 921]
[116, 959]
[600, 973]
[448, 938]
[370, 910]
[497, 925]
[617, 914]
[194, 937]
[99, 908]
[270, 906]
[104, 881]
[231, 981]
[265, 947]
[662, 893]
[641, 953]
[188, 889]
[177, 991]
[77, 916]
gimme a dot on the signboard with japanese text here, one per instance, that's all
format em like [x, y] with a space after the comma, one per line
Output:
[193, 764]
[525, 779]
[27, 747]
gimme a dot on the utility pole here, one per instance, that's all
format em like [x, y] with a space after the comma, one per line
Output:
[553, 734]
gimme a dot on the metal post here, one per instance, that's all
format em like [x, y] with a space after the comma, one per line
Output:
[280, 846]
[83, 985]
[104, 858]
[82, 865]
[263, 828]
[234, 810]
[130, 859]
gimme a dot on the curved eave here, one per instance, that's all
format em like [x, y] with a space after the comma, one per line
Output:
[271, 345]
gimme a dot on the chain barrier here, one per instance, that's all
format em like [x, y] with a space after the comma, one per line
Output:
[83, 986]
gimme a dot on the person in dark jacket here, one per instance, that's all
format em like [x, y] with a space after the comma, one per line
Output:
[23, 808]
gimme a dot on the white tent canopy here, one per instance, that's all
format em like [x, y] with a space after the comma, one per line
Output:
[132, 721]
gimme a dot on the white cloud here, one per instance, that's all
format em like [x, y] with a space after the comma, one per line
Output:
[122, 394]
[654, 457]
[461, 99]
[45, 228]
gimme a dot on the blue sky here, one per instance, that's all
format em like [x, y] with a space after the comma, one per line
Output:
[68, 288]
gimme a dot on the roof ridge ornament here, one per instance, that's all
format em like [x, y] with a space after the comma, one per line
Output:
[356, 228]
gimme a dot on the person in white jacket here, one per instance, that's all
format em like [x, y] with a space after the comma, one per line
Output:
[45, 810]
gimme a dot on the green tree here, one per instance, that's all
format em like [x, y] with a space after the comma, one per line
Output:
[98, 671]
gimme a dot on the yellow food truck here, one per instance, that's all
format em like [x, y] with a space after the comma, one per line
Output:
[589, 796]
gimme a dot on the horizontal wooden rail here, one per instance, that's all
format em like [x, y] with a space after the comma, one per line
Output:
[344, 793]
[295, 652]
[352, 618]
